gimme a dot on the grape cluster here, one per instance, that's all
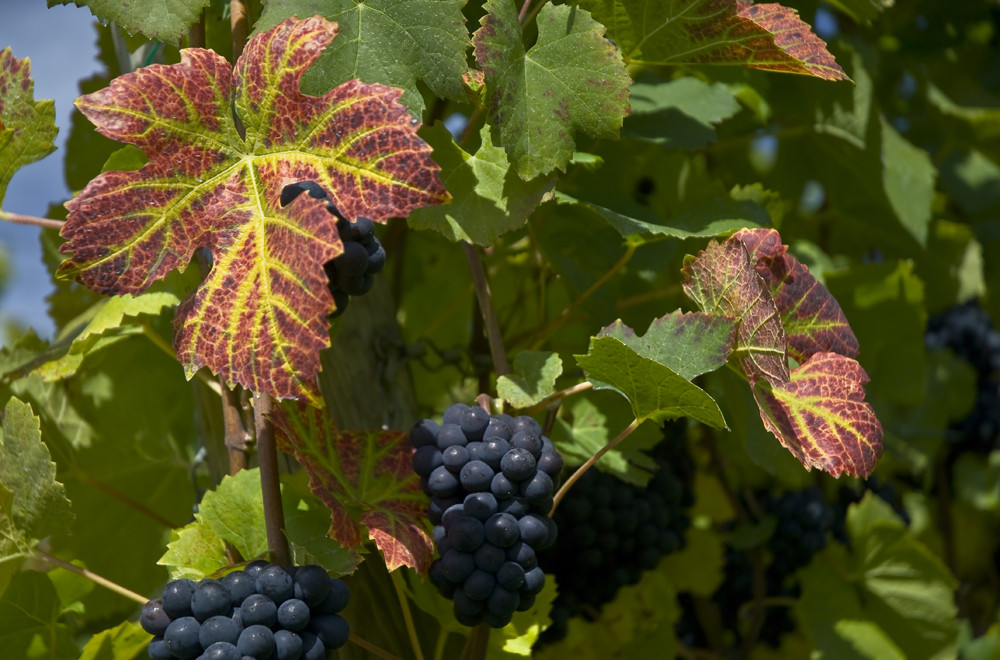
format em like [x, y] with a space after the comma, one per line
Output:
[263, 612]
[969, 332]
[351, 272]
[491, 480]
[616, 530]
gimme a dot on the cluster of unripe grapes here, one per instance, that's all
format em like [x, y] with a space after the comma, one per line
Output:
[491, 480]
[263, 612]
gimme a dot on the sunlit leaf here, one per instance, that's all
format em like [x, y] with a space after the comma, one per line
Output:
[572, 79]
[654, 390]
[39, 506]
[260, 317]
[533, 379]
[488, 196]
[678, 113]
[393, 42]
[722, 281]
[908, 175]
[365, 479]
[810, 315]
[27, 127]
[735, 32]
[820, 415]
[517, 638]
[166, 21]
[691, 344]
[125, 641]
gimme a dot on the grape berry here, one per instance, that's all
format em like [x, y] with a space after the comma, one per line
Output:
[351, 272]
[491, 480]
[263, 612]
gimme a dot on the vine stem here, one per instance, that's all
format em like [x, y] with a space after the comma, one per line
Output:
[94, 577]
[371, 648]
[20, 219]
[267, 455]
[236, 436]
[404, 605]
[559, 396]
[580, 471]
[485, 298]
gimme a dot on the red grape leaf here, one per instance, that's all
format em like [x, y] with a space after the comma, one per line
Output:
[260, 317]
[722, 282]
[811, 316]
[820, 415]
[367, 481]
[765, 36]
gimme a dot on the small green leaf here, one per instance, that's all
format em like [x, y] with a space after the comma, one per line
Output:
[235, 511]
[125, 641]
[654, 390]
[29, 621]
[533, 379]
[691, 343]
[572, 79]
[718, 217]
[678, 113]
[27, 127]
[165, 21]
[307, 527]
[488, 198]
[194, 551]
[39, 506]
[908, 176]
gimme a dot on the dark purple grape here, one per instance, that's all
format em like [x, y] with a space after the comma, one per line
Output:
[293, 615]
[258, 609]
[331, 629]
[287, 645]
[221, 651]
[476, 476]
[154, 619]
[211, 599]
[181, 637]
[219, 629]
[256, 642]
[312, 647]
[177, 598]
[518, 464]
[157, 650]
[336, 599]
[240, 585]
[479, 585]
[424, 433]
[312, 584]
[510, 575]
[502, 530]
[453, 414]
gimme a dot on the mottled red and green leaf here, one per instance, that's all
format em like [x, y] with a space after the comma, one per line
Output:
[260, 317]
[811, 316]
[27, 127]
[365, 479]
[821, 416]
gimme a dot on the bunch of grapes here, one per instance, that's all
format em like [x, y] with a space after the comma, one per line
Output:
[615, 531]
[263, 612]
[491, 480]
[968, 331]
[351, 272]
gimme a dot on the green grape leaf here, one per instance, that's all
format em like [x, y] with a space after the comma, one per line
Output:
[15, 546]
[126, 641]
[533, 379]
[29, 621]
[572, 79]
[517, 638]
[765, 36]
[654, 390]
[691, 344]
[306, 528]
[260, 317]
[365, 479]
[908, 176]
[194, 551]
[722, 281]
[811, 316]
[164, 21]
[638, 623]
[27, 127]
[716, 217]
[393, 42]
[885, 586]
[678, 113]
[821, 416]
[488, 198]
[39, 506]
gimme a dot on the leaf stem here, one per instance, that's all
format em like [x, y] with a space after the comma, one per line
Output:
[557, 322]
[404, 605]
[267, 455]
[371, 648]
[559, 396]
[490, 323]
[534, 12]
[476, 643]
[94, 577]
[580, 471]
[19, 219]
[442, 640]
[165, 346]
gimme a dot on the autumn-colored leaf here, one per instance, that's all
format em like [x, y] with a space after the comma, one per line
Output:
[366, 479]
[811, 316]
[820, 415]
[27, 127]
[723, 282]
[735, 32]
[260, 317]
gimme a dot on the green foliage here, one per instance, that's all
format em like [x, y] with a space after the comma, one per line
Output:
[166, 22]
[27, 127]
[534, 378]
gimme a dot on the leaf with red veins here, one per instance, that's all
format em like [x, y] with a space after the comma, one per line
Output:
[365, 479]
[811, 316]
[821, 416]
[27, 127]
[722, 281]
[728, 32]
[260, 317]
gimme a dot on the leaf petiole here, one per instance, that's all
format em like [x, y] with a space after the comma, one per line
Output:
[580, 471]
